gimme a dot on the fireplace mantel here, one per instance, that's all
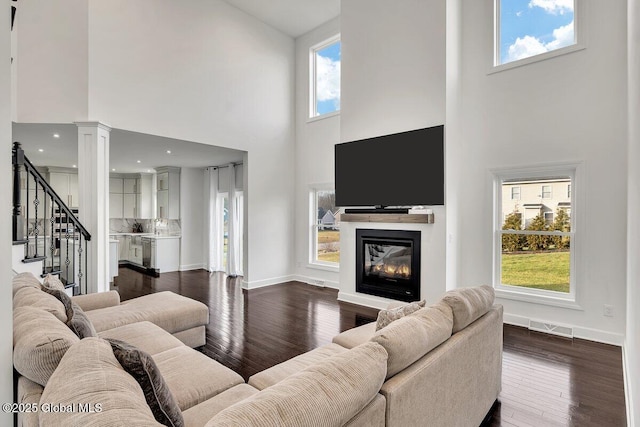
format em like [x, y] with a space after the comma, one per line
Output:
[388, 218]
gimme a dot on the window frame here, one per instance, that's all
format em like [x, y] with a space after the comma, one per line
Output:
[313, 261]
[313, 105]
[573, 170]
[579, 19]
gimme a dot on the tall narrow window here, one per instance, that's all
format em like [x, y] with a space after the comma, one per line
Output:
[535, 256]
[528, 28]
[325, 77]
[325, 228]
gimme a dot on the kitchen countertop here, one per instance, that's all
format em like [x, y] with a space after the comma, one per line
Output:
[147, 235]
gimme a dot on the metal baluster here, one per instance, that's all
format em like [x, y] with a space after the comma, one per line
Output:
[66, 236]
[52, 246]
[80, 290]
[36, 228]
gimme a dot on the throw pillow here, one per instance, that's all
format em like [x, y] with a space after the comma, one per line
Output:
[140, 365]
[385, 317]
[77, 320]
[53, 282]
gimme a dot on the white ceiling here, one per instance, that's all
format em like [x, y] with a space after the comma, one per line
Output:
[292, 17]
[126, 148]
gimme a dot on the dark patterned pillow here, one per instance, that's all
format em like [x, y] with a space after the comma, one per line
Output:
[140, 365]
[385, 317]
[77, 321]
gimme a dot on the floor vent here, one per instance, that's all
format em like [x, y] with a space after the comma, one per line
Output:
[550, 328]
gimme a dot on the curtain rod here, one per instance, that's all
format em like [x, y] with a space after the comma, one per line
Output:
[225, 166]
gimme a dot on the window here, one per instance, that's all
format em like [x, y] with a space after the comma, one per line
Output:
[534, 29]
[546, 191]
[515, 193]
[534, 258]
[325, 78]
[325, 228]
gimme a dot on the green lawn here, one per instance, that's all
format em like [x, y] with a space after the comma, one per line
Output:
[329, 245]
[329, 256]
[546, 270]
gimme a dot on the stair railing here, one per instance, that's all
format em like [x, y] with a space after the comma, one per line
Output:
[49, 230]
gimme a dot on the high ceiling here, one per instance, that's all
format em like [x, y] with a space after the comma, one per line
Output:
[292, 17]
[126, 148]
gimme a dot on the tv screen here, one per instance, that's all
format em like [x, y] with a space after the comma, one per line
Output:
[402, 169]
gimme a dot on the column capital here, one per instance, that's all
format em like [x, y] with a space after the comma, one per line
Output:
[98, 125]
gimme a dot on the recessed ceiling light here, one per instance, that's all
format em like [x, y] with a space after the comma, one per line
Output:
[138, 161]
[149, 170]
[168, 151]
[41, 150]
[75, 166]
[113, 170]
[56, 135]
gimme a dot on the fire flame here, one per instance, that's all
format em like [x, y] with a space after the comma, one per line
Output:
[402, 270]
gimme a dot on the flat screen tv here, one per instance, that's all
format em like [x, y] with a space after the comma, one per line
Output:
[402, 169]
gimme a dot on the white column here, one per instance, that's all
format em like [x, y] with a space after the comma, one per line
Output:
[93, 192]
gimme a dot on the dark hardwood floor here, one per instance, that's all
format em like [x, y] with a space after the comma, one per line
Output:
[546, 380]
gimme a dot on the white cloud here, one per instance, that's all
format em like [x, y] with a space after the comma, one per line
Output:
[328, 79]
[554, 7]
[528, 45]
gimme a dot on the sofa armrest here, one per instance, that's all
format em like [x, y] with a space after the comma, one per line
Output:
[95, 301]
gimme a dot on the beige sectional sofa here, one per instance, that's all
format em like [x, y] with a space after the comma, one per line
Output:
[440, 365]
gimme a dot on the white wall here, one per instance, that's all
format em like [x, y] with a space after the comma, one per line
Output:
[193, 211]
[202, 72]
[52, 86]
[568, 108]
[314, 163]
[632, 344]
[6, 178]
[393, 80]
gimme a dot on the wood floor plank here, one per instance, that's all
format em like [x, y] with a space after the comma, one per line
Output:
[547, 380]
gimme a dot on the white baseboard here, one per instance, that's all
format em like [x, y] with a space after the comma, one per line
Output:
[317, 282]
[189, 267]
[590, 334]
[628, 392]
[266, 282]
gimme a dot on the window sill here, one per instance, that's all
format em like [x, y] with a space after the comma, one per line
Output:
[325, 267]
[530, 297]
[323, 116]
[536, 58]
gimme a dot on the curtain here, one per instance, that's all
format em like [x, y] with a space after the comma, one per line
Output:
[214, 261]
[234, 266]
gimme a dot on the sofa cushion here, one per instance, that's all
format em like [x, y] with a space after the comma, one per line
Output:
[408, 339]
[144, 335]
[387, 316]
[201, 413]
[468, 304]
[40, 341]
[33, 297]
[98, 379]
[98, 300]
[170, 311]
[23, 280]
[277, 373]
[355, 336]
[143, 369]
[328, 393]
[28, 393]
[193, 377]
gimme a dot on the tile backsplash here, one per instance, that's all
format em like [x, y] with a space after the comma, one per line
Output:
[163, 227]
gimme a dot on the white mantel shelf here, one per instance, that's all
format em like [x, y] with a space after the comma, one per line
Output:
[391, 218]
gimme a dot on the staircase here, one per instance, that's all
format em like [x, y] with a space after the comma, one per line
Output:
[48, 238]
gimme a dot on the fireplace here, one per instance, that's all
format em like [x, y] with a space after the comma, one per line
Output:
[388, 263]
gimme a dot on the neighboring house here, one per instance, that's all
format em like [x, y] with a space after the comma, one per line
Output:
[535, 197]
[328, 220]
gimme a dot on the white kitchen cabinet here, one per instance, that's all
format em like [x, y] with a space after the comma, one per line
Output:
[135, 250]
[168, 192]
[65, 184]
[130, 206]
[123, 247]
[130, 186]
[116, 205]
[166, 256]
[116, 185]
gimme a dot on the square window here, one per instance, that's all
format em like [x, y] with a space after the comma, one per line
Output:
[546, 191]
[515, 193]
[325, 77]
[529, 28]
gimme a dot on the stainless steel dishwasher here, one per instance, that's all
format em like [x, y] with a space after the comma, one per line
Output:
[146, 252]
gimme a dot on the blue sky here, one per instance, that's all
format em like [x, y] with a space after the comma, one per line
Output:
[328, 79]
[531, 27]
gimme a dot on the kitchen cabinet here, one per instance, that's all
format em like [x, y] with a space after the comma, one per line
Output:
[136, 197]
[135, 249]
[161, 253]
[130, 186]
[116, 205]
[65, 184]
[130, 206]
[115, 185]
[168, 192]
